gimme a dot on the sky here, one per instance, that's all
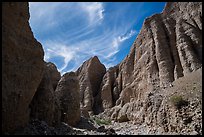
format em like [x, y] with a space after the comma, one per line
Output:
[73, 32]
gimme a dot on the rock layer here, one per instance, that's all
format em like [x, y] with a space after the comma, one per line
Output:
[22, 65]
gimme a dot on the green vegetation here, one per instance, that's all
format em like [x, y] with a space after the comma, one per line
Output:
[178, 101]
[101, 121]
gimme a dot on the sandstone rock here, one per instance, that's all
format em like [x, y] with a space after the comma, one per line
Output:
[126, 95]
[45, 106]
[90, 75]
[68, 93]
[22, 65]
[109, 89]
[122, 114]
[167, 49]
[114, 114]
[54, 74]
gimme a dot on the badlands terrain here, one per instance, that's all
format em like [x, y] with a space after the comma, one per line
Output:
[156, 89]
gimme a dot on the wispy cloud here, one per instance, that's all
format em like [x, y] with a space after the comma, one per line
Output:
[41, 10]
[52, 14]
[78, 31]
[83, 50]
[117, 42]
[122, 38]
[94, 10]
[126, 36]
[57, 49]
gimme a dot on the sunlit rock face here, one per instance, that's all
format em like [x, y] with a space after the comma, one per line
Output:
[109, 90]
[168, 47]
[22, 65]
[90, 75]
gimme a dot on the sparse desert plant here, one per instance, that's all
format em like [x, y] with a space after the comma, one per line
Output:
[101, 121]
[178, 101]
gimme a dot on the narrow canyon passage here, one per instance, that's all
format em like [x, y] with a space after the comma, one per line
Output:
[156, 89]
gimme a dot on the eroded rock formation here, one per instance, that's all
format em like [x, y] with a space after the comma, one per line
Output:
[168, 47]
[164, 61]
[110, 88]
[90, 75]
[22, 65]
[68, 93]
[45, 104]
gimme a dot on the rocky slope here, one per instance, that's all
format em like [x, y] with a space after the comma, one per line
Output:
[22, 65]
[162, 114]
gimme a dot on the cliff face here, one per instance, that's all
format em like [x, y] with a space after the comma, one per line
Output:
[45, 104]
[22, 65]
[32, 88]
[168, 47]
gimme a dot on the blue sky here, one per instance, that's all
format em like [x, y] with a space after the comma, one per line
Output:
[72, 32]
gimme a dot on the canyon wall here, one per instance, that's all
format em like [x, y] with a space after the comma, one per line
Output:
[22, 65]
[168, 47]
[45, 104]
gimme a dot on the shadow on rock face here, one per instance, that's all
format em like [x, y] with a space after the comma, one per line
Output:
[85, 123]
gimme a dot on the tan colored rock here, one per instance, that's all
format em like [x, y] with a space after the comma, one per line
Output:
[22, 65]
[122, 114]
[68, 93]
[90, 75]
[45, 105]
[114, 112]
[54, 74]
[167, 49]
[109, 88]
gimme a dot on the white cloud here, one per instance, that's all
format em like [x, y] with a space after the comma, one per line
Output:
[83, 50]
[118, 40]
[50, 13]
[58, 49]
[95, 10]
[43, 11]
[76, 45]
[127, 36]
